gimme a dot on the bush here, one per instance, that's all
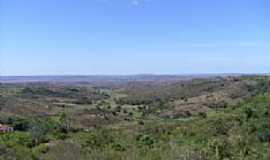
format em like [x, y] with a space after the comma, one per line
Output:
[99, 139]
[145, 140]
[20, 124]
[264, 135]
[64, 123]
[220, 149]
[118, 147]
[203, 115]
[42, 149]
[16, 138]
[220, 127]
[249, 112]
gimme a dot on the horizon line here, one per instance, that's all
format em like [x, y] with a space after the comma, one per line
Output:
[139, 74]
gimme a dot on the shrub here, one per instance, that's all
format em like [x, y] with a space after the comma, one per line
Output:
[20, 124]
[145, 140]
[203, 115]
[99, 139]
[64, 123]
[118, 147]
[249, 112]
[220, 149]
[264, 135]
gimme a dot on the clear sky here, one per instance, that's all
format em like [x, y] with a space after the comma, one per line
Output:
[52, 37]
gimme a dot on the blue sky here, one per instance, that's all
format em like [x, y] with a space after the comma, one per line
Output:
[52, 37]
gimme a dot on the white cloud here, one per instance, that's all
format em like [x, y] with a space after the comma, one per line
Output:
[135, 3]
[139, 2]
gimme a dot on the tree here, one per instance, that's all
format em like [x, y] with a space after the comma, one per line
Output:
[38, 130]
[64, 123]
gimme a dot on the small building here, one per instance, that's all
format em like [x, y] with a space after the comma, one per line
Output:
[5, 129]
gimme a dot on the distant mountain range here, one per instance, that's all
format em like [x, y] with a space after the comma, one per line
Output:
[107, 78]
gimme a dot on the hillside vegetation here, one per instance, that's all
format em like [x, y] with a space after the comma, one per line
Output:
[200, 119]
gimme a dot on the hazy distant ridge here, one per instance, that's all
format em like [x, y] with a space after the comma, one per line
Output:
[96, 78]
